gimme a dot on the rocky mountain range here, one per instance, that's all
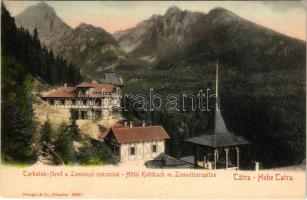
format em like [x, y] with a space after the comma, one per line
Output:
[178, 32]
[159, 34]
[91, 48]
[176, 35]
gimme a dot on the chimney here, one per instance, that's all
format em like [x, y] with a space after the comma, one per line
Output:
[125, 124]
[131, 125]
[65, 85]
[143, 124]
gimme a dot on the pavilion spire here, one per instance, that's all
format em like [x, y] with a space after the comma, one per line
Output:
[217, 79]
[217, 99]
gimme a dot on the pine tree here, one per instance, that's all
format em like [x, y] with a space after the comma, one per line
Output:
[63, 145]
[45, 137]
[74, 129]
[8, 33]
[27, 49]
[17, 123]
[22, 60]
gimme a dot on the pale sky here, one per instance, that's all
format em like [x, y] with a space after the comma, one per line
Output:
[285, 17]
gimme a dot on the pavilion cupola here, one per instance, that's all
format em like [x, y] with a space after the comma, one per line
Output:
[217, 137]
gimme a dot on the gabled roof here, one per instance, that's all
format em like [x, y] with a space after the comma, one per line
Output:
[68, 92]
[62, 92]
[137, 134]
[85, 85]
[98, 88]
[104, 134]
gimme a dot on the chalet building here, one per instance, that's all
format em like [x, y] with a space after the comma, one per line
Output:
[87, 100]
[130, 143]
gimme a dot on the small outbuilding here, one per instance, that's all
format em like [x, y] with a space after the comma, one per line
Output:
[130, 143]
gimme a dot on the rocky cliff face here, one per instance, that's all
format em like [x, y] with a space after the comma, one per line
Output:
[159, 35]
[180, 32]
[91, 48]
[51, 29]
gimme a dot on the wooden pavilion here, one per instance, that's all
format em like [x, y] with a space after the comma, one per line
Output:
[212, 149]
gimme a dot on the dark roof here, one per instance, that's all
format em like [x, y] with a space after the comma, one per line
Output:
[136, 134]
[165, 161]
[213, 141]
[188, 159]
[217, 134]
[111, 78]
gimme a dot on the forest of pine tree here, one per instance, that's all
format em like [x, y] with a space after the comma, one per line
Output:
[24, 59]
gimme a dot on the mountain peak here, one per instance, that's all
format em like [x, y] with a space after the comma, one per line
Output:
[43, 6]
[37, 11]
[172, 10]
[85, 25]
[44, 18]
[89, 27]
[219, 11]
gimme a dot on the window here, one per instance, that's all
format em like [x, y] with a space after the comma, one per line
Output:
[97, 101]
[89, 102]
[98, 114]
[68, 102]
[105, 113]
[52, 102]
[105, 102]
[83, 115]
[154, 148]
[131, 151]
